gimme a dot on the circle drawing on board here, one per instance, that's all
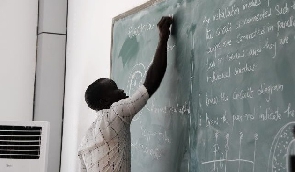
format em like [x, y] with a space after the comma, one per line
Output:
[280, 149]
[136, 78]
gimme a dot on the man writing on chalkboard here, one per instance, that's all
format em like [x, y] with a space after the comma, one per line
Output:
[107, 144]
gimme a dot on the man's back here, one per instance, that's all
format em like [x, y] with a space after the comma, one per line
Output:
[107, 144]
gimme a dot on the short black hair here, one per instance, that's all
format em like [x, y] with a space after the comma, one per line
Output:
[94, 93]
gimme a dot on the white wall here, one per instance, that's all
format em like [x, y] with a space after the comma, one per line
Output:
[88, 58]
[18, 33]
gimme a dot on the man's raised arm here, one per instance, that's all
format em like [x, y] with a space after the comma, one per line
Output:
[157, 69]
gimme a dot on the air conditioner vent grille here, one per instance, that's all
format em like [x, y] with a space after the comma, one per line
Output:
[20, 142]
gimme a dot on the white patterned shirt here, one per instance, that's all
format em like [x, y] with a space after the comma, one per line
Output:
[106, 146]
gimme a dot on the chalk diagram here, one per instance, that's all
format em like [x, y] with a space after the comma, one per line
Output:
[151, 141]
[279, 152]
[220, 162]
[135, 79]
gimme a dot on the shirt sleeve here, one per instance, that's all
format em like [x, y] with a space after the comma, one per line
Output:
[82, 165]
[126, 109]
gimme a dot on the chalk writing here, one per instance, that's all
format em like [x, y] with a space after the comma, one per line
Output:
[244, 40]
[179, 109]
[243, 94]
[270, 114]
[268, 90]
[214, 76]
[153, 152]
[214, 100]
[219, 46]
[226, 12]
[289, 111]
[158, 135]
[282, 10]
[284, 24]
[137, 30]
[267, 114]
[253, 34]
[266, 13]
[241, 69]
[251, 4]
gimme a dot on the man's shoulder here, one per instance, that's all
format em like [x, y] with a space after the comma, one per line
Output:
[139, 92]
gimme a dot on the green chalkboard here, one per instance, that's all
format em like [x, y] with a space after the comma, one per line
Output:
[227, 100]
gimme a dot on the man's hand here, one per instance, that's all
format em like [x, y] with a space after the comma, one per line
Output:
[163, 26]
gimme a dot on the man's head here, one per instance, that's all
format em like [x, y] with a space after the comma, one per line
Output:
[102, 93]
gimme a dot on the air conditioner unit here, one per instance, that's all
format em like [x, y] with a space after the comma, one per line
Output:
[24, 146]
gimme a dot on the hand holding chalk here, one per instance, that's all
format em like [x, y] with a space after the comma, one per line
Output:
[164, 25]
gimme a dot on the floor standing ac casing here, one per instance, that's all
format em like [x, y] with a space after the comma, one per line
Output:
[24, 146]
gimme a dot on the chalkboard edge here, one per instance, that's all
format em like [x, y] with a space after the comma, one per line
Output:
[125, 14]
[136, 10]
